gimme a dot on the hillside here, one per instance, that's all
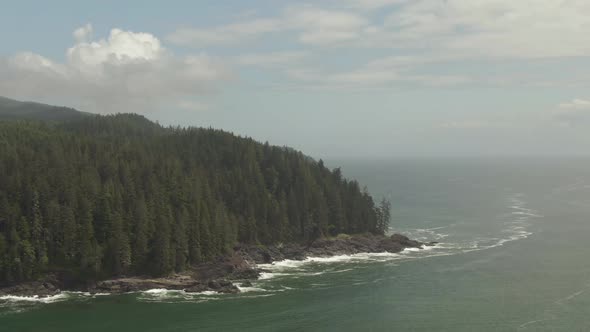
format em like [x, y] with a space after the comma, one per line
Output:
[17, 110]
[119, 195]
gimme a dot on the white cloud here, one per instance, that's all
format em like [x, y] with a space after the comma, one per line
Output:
[128, 71]
[122, 47]
[321, 27]
[227, 34]
[467, 124]
[427, 33]
[576, 104]
[192, 106]
[500, 28]
[573, 112]
[378, 73]
[372, 4]
[270, 60]
[312, 25]
[460, 28]
[84, 33]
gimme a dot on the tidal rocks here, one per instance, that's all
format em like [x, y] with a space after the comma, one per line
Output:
[220, 286]
[34, 288]
[325, 247]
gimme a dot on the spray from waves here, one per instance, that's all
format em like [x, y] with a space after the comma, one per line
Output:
[15, 304]
[296, 268]
[11, 304]
[425, 234]
[173, 296]
[162, 295]
[279, 268]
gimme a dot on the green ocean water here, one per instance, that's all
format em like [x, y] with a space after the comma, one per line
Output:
[513, 256]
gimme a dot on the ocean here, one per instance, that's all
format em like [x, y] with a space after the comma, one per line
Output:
[513, 255]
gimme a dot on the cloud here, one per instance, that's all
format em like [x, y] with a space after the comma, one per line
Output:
[320, 27]
[421, 36]
[576, 104]
[500, 28]
[192, 106]
[128, 71]
[469, 125]
[377, 73]
[227, 34]
[83, 34]
[270, 60]
[573, 113]
[371, 4]
[460, 28]
[312, 25]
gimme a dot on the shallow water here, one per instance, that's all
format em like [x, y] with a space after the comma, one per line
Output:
[512, 257]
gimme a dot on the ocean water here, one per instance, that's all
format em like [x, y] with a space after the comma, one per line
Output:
[513, 256]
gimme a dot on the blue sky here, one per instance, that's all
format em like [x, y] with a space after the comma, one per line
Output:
[336, 79]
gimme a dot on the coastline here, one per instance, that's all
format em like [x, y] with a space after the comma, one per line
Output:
[222, 274]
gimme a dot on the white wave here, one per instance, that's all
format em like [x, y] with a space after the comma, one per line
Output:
[332, 259]
[340, 271]
[85, 294]
[312, 273]
[426, 234]
[174, 296]
[257, 295]
[271, 275]
[36, 298]
[207, 293]
[528, 213]
[157, 291]
[162, 292]
[294, 265]
[244, 289]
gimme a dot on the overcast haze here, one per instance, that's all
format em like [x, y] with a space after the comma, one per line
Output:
[347, 78]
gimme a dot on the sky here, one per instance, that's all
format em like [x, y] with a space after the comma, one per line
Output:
[335, 78]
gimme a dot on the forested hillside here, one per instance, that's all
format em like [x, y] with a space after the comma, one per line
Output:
[11, 109]
[120, 195]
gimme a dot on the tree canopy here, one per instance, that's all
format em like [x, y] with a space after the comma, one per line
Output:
[114, 195]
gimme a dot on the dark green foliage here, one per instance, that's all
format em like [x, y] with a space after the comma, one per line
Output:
[383, 215]
[120, 195]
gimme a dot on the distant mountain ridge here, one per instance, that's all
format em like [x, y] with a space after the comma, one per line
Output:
[11, 109]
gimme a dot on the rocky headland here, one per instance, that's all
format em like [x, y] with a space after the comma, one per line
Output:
[221, 274]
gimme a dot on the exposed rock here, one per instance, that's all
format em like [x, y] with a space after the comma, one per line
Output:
[347, 245]
[405, 241]
[137, 284]
[34, 288]
[197, 288]
[223, 286]
[249, 273]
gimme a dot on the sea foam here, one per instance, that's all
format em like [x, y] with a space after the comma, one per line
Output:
[36, 298]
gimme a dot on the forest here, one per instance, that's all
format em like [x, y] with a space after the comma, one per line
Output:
[114, 195]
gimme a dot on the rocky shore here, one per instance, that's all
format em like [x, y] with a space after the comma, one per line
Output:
[221, 274]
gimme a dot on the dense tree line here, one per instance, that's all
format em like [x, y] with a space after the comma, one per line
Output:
[115, 195]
